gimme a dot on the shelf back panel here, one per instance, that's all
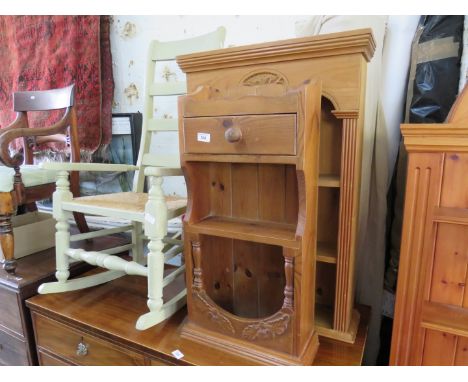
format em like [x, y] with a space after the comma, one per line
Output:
[257, 192]
[330, 141]
[244, 278]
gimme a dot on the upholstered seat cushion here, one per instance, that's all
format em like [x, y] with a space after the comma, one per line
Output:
[31, 175]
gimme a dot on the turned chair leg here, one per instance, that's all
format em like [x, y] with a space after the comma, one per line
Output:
[7, 242]
[81, 222]
[62, 236]
[75, 190]
[31, 207]
[155, 229]
[137, 241]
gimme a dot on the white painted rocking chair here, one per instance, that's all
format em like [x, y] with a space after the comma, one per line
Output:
[149, 211]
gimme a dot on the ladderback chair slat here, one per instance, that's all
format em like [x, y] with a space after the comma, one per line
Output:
[165, 51]
[168, 88]
[159, 160]
[163, 124]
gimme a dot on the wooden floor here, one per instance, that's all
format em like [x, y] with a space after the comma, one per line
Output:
[110, 311]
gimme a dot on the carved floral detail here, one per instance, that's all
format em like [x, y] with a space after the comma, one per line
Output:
[264, 78]
[268, 329]
[214, 313]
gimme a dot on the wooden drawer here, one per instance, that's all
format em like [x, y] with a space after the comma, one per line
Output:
[13, 352]
[49, 360]
[10, 316]
[273, 134]
[160, 362]
[64, 342]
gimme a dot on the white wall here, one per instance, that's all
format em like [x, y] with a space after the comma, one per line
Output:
[130, 38]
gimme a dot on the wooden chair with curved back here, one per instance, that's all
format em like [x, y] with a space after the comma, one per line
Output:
[21, 182]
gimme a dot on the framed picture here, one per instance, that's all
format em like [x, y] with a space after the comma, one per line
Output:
[123, 149]
[126, 136]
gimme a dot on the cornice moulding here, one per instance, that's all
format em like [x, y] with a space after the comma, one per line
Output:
[343, 43]
[435, 137]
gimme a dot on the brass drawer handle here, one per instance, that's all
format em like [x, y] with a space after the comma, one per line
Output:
[81, 349]
[233, 134]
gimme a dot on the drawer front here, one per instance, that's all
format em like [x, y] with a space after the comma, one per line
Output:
[159, 362]
[49, 360]
[273, 134]
[81, 348]
[10, 316]
[13, 352]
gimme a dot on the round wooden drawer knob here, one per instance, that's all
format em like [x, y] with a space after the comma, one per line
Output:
[233, 134]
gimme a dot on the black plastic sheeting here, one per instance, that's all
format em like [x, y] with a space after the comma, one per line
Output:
[430, 96]
[436, 81]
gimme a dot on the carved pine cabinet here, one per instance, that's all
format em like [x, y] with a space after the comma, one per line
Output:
[251, 164]
[431, 312]
[264, 262]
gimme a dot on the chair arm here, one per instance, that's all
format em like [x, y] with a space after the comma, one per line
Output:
[66, 166]
[163, 171]
[20, 122]
[19, 129]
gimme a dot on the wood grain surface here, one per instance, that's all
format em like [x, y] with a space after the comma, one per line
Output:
[431, 311]
[117, 304]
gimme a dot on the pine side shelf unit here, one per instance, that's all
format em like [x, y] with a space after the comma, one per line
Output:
[251, 222]
[241, 186]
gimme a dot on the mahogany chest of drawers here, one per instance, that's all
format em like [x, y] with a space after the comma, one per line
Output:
[16, 334]
[17, 345]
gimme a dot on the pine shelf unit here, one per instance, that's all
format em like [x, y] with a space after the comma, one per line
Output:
[249, 242]
[339, 62]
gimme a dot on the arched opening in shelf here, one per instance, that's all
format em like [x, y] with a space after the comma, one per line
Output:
[244, 278]
[330, 145]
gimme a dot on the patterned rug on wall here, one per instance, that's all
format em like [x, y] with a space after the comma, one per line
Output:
[45, 52]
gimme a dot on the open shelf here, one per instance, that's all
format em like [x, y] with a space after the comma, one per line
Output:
[330, 142]
[328, 215]
[324, 316]
[329, 180]
[326, 252]
[244, 229]
[325, 288]
[246, 279]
